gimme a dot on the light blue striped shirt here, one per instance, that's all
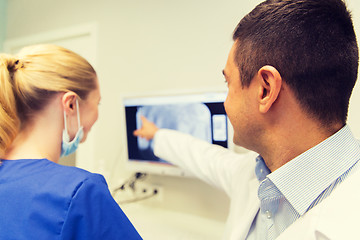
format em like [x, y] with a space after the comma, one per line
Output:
[296, 187]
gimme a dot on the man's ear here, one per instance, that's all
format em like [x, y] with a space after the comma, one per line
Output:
[69, 102]
[270, 82]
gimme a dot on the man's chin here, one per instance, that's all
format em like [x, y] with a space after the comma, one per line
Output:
[236, 141]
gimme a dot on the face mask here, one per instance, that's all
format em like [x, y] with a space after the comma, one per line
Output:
[68, 147]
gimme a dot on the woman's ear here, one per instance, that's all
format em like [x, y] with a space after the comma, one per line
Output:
[270, 82]
[69, 102]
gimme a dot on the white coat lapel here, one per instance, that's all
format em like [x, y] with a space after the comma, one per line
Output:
[251, 208]
[336, 217]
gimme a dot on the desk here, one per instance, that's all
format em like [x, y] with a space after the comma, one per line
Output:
[161, 224]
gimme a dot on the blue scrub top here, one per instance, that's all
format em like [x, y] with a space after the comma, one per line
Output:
[40, 199]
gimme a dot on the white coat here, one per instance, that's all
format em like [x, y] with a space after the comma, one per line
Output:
[333, 218]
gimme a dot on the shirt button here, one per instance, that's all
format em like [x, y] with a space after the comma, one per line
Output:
[268, 214]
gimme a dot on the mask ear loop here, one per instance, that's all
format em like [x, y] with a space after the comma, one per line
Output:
[78, 118]
[65, 126]
[78, 113]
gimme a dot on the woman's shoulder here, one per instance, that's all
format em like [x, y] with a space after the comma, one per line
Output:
[47, 174]
[71, 174]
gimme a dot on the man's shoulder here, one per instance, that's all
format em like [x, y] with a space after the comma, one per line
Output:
[335, 217]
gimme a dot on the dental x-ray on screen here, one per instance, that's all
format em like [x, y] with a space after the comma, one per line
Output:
[199, 114]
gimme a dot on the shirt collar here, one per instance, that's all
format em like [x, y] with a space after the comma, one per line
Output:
[302, 179]
[261, 170]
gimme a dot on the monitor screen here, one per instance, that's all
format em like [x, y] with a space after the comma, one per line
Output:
[201, 115]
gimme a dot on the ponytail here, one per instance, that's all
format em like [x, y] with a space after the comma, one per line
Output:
[9, 122]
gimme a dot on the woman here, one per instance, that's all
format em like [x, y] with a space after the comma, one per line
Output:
[49, 102]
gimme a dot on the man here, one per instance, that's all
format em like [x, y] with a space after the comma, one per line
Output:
[290, 74]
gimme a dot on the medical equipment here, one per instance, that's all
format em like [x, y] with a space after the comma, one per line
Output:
[199, 113]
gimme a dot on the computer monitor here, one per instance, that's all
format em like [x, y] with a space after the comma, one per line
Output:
[200, 114]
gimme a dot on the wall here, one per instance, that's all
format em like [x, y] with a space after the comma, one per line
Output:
[149, 46]
[3, 16]
[354, 113]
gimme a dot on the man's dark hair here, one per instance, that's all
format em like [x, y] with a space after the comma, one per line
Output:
[311, 43]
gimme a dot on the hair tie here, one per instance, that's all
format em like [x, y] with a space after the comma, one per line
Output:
[17, 65]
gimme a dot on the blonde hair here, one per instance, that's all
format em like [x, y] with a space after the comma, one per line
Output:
[31, 78]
